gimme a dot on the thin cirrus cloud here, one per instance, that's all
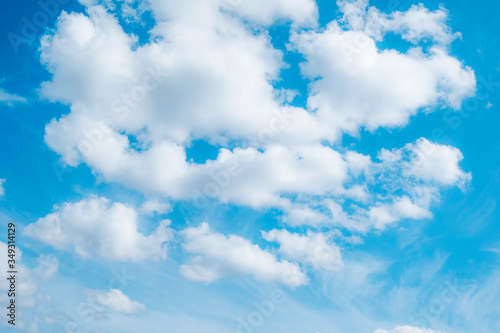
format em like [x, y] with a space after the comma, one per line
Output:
[2, 188]
[10, 99]
[407, 329]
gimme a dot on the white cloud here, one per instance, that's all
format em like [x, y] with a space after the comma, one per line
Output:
[10, 99]
[357, 85]
[400, 184]
[131, 11]
[414, 25]
[354, 12]
[436, 163]
[304, 215]
[407, 329]
[312, 249]
[155, 206]
[232, 177]
[118, 301]
[217, 256]
[418, 170]
[205, 73]
[401, 208]
[300, 12]
[264, 178]
[358, 163]
[97, 226]
[2, 189]
[236, 100]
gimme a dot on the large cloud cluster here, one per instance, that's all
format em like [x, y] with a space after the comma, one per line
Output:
[208, 72]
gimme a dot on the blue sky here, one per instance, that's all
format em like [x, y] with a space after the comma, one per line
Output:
[263, 166]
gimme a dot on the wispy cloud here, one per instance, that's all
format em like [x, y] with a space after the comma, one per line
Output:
[10, 99]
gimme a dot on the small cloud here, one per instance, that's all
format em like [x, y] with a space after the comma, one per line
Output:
[489, 105]
[313, 249]
[155, 206]
[495, 249]
[118, 301]
[2, 189]
[10, 99]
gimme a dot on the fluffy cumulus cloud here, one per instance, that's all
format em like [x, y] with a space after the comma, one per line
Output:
[217, 256]
[263, 179]
[195, 82]
[232, 177]
[357, 85]
[204, 74]
[436, 163]
[97, 226]
[407, 329]
[118, 301]
[313, 249]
